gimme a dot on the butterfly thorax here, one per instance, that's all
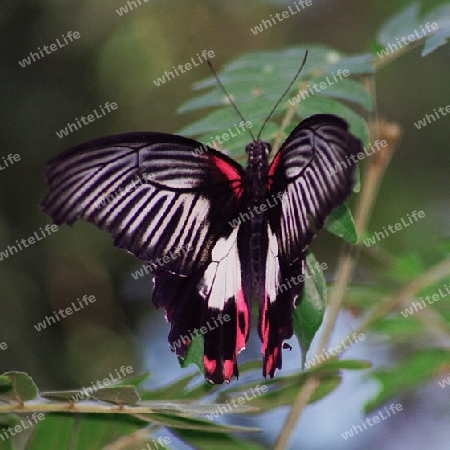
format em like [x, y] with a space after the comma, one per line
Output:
[257, 169]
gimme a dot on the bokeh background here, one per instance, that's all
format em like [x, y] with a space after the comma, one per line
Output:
[116, 59]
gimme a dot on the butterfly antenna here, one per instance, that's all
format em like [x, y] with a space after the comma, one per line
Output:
[284, 94]
[228, 96]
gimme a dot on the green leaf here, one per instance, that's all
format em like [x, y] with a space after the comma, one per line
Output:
[194, 354]
[135, 381]
[220, 441]
[345, 89]
[340, 222]
[254, 81]
[95, 431]
[174, 390]
[399, 329]
[5, 382]
[283, 390]
[189, 423]
[6, 445]
[66, 396]
[192, 409]
[324, 105]
[440, 15]
[408, 375]
[8, 420]
[53, 432]
[401, 25]
[21, 389]
[308, 315]
[340, 364]
[407, 266]
[121, 395]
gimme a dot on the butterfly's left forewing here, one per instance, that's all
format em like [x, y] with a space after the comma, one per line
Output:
[310, 175]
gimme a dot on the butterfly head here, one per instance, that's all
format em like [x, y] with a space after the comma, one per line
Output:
[258, 153]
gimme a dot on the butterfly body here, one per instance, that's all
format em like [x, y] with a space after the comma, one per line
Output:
[233, 235]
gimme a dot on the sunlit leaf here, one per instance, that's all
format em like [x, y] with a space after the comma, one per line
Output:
[402, 24]
[440, 15]
[340, 222]
[21, 388]
[309, 313]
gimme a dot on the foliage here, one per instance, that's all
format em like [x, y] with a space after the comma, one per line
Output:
[126, 416]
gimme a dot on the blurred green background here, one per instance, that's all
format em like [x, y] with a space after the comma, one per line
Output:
[116, 59]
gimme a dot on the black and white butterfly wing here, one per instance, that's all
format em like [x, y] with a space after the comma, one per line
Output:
[311, 174]
[166, 202]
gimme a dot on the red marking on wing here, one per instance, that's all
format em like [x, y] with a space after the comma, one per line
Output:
[264, 326]
[231, 174]
[242, 311]
[228, 369]
[272, 169]
[269, 362]
[209, 364]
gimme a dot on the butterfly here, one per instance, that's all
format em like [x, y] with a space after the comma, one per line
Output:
[234, 235]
